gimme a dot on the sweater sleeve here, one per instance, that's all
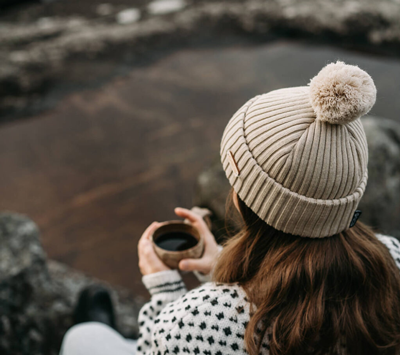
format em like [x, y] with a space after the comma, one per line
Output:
[164, 287]
[393, 245]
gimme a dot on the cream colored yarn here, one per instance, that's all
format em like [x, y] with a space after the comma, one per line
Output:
[298, 156]
[341, 93]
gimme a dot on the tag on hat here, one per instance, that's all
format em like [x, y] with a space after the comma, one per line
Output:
[233, 163]
[355, 218]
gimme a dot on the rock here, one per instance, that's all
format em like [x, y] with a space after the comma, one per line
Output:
[37, 296]
[54, 44]
[161, 7]
[380, 204]
[128, 16]
[211, 192]
[46, 23]
[104, 9]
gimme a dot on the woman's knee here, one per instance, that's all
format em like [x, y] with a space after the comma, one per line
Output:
[83, 338]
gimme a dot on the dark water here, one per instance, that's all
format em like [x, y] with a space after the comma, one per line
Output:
[176, 241]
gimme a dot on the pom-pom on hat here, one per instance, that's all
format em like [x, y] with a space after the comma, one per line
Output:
[341, 93]
[298, 156]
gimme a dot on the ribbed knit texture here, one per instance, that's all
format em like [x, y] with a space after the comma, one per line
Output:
[300, 175]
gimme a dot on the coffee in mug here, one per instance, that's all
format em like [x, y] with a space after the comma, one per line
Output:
[177, 240]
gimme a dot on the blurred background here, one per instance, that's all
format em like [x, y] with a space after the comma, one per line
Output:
[111, 112]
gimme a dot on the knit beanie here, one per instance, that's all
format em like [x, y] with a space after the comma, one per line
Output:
[297, 157]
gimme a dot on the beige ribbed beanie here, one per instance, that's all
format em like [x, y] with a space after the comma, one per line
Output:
[298, 156]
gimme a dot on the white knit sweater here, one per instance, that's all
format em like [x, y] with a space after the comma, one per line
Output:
[209, 320]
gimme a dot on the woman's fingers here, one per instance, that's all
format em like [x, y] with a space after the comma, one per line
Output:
[149, 230]
[201, 265]
[185, 213]
[149, 262]
[199, 223]
[193, 218]
[148, 252]
[145, 238]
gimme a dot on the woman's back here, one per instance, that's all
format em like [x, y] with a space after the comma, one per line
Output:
[209, 320]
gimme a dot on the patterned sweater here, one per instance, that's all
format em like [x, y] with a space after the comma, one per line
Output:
[209, 320]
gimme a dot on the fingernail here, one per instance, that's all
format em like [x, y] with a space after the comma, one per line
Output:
[183, 265]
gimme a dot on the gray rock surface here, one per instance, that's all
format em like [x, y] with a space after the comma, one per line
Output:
[33, 54]
[162, 7]
[212, 189]
[380, 204]
[37, 296]
[128, 16]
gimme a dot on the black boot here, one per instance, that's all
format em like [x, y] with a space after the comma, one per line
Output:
[95, 305]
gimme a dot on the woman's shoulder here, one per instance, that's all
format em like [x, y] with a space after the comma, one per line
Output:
[393, 245]
[209, 301]
[212, 316]
[210, 294]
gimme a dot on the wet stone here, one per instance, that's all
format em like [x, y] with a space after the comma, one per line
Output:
[161, 7]
[37, 296]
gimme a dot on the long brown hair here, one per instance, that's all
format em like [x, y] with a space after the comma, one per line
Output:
[336, 295]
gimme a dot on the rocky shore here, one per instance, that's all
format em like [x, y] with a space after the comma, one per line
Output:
[37, 295]
[37, 52]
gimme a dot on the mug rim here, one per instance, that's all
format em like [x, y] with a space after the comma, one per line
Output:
[176, 222]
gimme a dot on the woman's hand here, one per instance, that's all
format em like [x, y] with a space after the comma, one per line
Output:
[149, 262]
[206, 263]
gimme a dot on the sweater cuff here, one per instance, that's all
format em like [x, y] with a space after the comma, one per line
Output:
[163, 281]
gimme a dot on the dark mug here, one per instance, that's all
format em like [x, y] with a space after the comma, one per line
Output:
[177, 240]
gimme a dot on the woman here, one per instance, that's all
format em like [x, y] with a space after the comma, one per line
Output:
[302, 276]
